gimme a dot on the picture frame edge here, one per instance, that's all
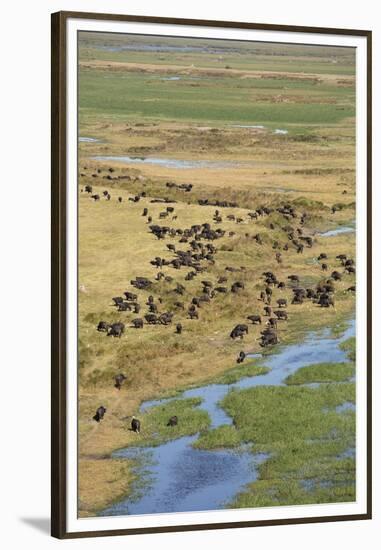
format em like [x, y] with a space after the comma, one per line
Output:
[58, 275]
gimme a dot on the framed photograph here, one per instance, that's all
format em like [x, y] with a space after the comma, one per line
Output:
[211, 302]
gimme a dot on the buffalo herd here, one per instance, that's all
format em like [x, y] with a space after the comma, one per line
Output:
[199, 255]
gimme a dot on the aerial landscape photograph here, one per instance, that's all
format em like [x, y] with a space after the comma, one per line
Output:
[216, 274]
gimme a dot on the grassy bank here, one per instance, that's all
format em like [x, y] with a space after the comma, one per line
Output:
[305, 434]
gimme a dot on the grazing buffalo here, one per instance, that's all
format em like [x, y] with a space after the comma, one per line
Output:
[135, 425]
[255, 319]
[119, 380]
[130, 297]
[151, 319]
[298, 299]
[273, 322]
[116, 329]
[241, 357]
[173, 421]
[268, 311]
[124, 306]
[282, 302]
[237, 286]
[322, 256]
[141, 283]
[145, 212]
[221, 289]
[103, 326]
[324, 267]
[336, 276]
[120, 199]
[99, 414]
[165, 318]
[239, 331]
[137, 323]
[193, 314]
[281, 315]
[88, 189]
[311, 293]
[326, 300]
[118, 300]
[269, 337]
[95, 197]
[179, 328]
[351, 288]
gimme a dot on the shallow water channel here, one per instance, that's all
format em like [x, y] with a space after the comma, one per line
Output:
[169, 162]
[338, 231]
[183, 479]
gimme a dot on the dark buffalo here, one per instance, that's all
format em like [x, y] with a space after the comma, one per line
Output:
[124, 306]
[268, 311]
[173, 421]
[241, 357]
[281, 315]
[100, 412]
[273, 322]
[135, 425]
[102, 326]
[119, 380]
[239, 331]
[116, 329]
[137, 323]
[255, 319]
[336, 276]
[165, 318]
[151, 318]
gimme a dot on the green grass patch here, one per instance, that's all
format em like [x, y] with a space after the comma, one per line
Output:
[222, 437]
[127, 95]
[242, 371]
[154, 429]
[349, 346]
[321, 372]
[304, 436]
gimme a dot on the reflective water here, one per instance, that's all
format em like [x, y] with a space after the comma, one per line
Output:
[181, 478]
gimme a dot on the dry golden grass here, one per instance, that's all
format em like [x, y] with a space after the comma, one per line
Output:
[101, 482]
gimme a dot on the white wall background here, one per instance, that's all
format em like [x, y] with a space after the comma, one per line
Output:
[25, 271]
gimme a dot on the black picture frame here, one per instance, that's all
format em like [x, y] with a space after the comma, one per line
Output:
[58, 273]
